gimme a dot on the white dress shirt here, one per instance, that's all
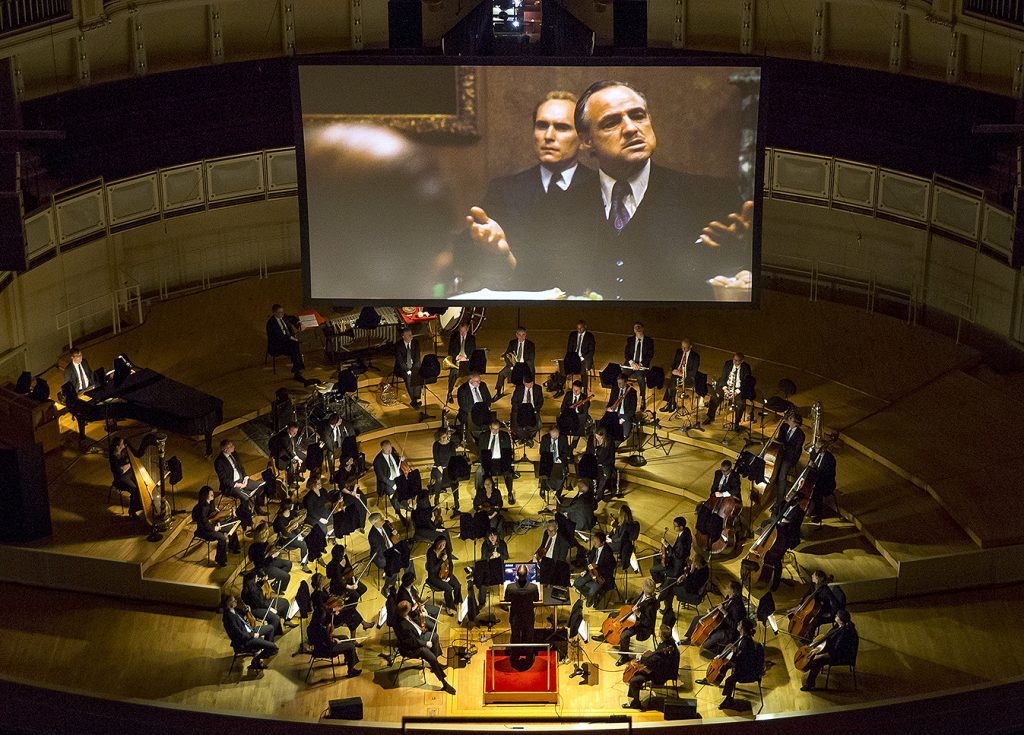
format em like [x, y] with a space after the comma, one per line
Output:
[637, 184]
[564, 180]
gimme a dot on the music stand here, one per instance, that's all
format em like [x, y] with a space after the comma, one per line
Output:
[368, 320]
[489, 572]
[430, 368]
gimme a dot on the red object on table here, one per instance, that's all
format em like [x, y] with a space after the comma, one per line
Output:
[313, 313]
[415, 314]
[503, 683]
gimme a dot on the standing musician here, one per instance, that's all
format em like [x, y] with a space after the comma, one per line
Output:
[657, 667]
[638, 355]
[289, 534]
[744, 665]
[621, 408]
[519, 350]
[285, 451]
[644, 619]
[442, 451]
[576, 402]
[600, 573]
[387, 552]
[461, 345]
[553, 545]
[791, 446]
[440, 574]
[735, 610]
[267, 560]
[604, 453]
[121, 472]
[324, 644]
[521, 596]
[493, 547]
[247, 638]
[387, 466]
[839, 644]
[732, 387]
[527, 400]
[420, 641]
[223, 533]
[725, 483]
[827, 601]
[677, 553]
[235, 483]
[265, 606]
[825, 479]
[556, 455]
[685, 365]
[281, 339]
[332, 433]
[473, 393]
[488, 501]
[78, 372]
[495, 449]
[581, 343]
[407, 365]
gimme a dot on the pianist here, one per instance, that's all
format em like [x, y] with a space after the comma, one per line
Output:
[78, 373]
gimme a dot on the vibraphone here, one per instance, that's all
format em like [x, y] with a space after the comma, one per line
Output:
[342, 338]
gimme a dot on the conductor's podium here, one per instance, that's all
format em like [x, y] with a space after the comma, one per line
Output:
[521, 674]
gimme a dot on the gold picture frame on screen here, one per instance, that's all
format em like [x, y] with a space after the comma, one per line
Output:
[461, 121]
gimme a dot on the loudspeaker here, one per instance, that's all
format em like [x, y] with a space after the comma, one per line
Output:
[24, 500]
[430, 368]
[630, 23]
[677, 708]
[350, 708]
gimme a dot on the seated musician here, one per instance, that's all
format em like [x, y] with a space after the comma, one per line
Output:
[689, 589]
[582, 343]
[519, 350]
[643, 618]
[637, 358]
[267, 609]
[258, 640]
[685, 365]
[268, 560]
[224, 534]
[604, 453]
[496, 457]
[493, 547]
[659, 666]
[353, 517]
[121, 471]
[387, 467]
[735, 610]
[461, 344]
[826, 600]
[527, 400]
[324, 644]
[341, 575]
[735, 380]
[791, 447]
[600, 573]
[576, 402]
[621, 409]
[581, 510]
[407, 365]
[745, 664]
[440, 555]
[472, 393]
[341, 600]
[78, 372]
[725, 483]
[624, 535]
[677, 552]
[421, 611]
[384, 550]
[488, 501]
[426, 519]
[281, 339]
[825, 479]
[839, 646]
[553, 545]
[319, 505]
[235, 483]
[414, 641]
[556, 455]
[284, 450]
[442, 452]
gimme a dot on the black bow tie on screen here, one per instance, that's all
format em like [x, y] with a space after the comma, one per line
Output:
[618, 215]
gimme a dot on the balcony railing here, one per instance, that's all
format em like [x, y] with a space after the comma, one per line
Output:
[17, 15]
[1007, 11]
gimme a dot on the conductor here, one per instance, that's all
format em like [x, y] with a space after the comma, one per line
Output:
[521, 595]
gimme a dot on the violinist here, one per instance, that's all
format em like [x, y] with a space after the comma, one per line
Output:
[676, 553]
[600, 572]
[269, 560]
[791, 446]
[265, 606]
[744, 665]
[246, 637]
[420, 611]
[496, 457]
[289, 535]
[726, 483]
[353, 516]
[839, 644]
[121, 471]
[443, 450]
[553, 545]
[581, 510]
[224, 534]
[644, 614]
[440, 575]
[325, 645]
[554, 449]
[427, 520]
[527, 401]
[577, 402]
[387, 466]
[825, 479]
[386, 550]
[420, 642]
[825, 599]
[341, 602]
[657, 666]
[688, 587]
[319, 505]
[488, 501]
[341, 575]
[625, 532]
[493, 547]
[604, 453]
[735, 610]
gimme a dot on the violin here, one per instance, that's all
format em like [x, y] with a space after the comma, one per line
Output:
[249, 617]
[446, 566]
[595, 574]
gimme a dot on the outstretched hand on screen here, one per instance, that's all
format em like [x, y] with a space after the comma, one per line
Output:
[488, 232]
[716, 234]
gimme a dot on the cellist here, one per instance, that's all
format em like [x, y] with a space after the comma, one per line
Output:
[735, 610]
[657, 667]
[744, 662]
[824, 599]
[644, 614]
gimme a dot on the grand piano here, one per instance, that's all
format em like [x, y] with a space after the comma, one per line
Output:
[153, 399]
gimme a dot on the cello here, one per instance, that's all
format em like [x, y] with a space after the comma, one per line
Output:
[800, 620]
[616, 623]
[711, 621]
[718, 665]
[803, 655]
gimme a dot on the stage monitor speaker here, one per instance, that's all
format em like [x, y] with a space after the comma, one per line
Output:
[677, 708]
[630, 24]
[24, 499]
[405, 23]
[350, 708]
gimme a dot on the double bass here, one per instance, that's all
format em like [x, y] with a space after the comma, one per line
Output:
[729, 509]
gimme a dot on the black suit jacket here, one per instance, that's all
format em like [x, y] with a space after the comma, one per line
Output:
[561, 546]
[841, 644]
[629, 402]
[378, 542]
[520, 600]
[605, 454]
[692, 364]
[680, 552]
[238, 630]
[825, 479]
[519, 394]
[505, 442]
[225, 471]
[606, 564]
[382, 470]
[646, 350]
[529, 351]
[465, 397]
[791, 444]
[647, 616]
[278, 341]
[744, 375]
[407, 359]
[410, 636]
[568, 399]
[745, 661]
[732, 485]
[546, 453]
[486, 548]
[663, 662]
[71, 376]
[326, 433]
[455, 340]
[589, 346]
[282, 448]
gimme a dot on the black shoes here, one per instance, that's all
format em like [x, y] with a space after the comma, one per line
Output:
[511, 499]
[447, 688]
[623, 660]
[808, 688]
[727, 703]
[667, 408]
[631, 705]
[353, 673]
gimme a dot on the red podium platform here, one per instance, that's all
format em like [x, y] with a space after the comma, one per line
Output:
[505, 683]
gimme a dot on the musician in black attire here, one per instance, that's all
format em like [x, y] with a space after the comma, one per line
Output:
[736, 380]
[676, 553]
[637, 358]
[690, 589]
[423, 521]
[840, 645]
[472, 393]
[521, 596]
[604, 453]
[212, 531]
[645, 612]
[523, 351]
[420, 611]
[268, 610]
[496, 457]
[281, 341]
[423, 644]
[407, 365]
[78, 372]
[662, 664]
[262, 557]
[745, 664]
[461, 346]
[246, 638]
[332, 433]
[235, 483]
[439, 553]
[735, 611]
[581, 509]
[527, 400]
[442, 451]
[574, 402]
[554, 462]
[289, 533]
[582, 343]
[493, 547]
[621, 411]
[623, 538]
[285, 451]
[685, 365]
[384, 552]
[320, 633]
[387, 467]
[791, 446]
[602, 559]
[825, 478]
[553, 545]
[827, 600]
[726, 482]
[121, 471]
[353, 516]
[488, 501]
[319, 504]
